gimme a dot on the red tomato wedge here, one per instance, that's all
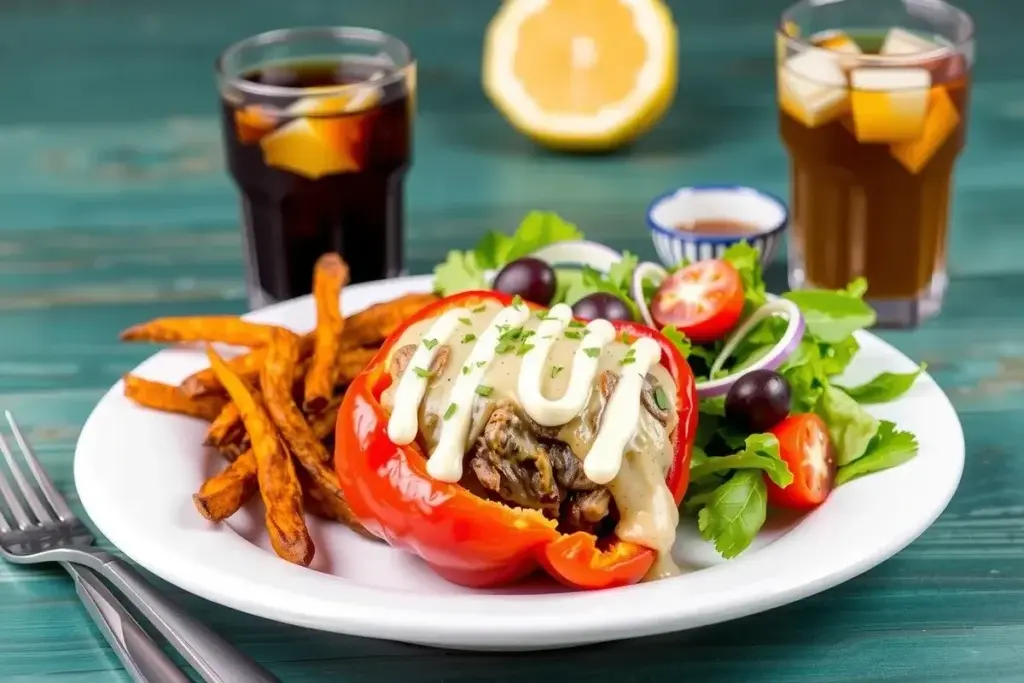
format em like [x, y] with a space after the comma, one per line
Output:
[704, 300]
[804, 445]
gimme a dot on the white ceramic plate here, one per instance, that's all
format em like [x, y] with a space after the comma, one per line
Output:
[136, 471]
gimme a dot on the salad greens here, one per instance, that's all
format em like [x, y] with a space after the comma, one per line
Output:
[728, 491]
[861, 442]
[464, 270]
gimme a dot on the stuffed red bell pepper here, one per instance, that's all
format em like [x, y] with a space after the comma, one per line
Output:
[491, 437]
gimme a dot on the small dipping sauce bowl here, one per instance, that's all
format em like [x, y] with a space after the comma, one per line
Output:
[700, 222]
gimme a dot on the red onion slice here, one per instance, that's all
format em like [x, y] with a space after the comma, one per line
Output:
[643, 271]
[771, 360]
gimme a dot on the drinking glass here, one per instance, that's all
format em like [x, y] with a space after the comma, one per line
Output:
[873, 99]
[317, 127]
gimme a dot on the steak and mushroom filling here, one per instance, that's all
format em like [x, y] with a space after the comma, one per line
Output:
[516, 461]
[517, 406]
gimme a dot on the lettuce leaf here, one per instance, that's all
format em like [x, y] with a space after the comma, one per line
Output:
[889, 447]
[464, 270]
[760, 452]
[850, 427]
[886, 386]
[734, 512]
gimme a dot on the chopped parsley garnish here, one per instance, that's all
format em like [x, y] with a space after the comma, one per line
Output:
[555, 369]
[524, 349]
[528, 333]
[627, 338]
[468, 338]
[451, 411]
[573, 334]
[660, 398]
[517, 301]
[481, 363]
[478, 309]
[430, 343]
[593, 352]
[629, 357]
[504, 347]
[575, 323]
[421, 372]
[510, 335]
[484, 390]
[465, 321]
[465, 369]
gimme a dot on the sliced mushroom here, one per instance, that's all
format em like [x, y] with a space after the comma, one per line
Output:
[400, 360]
[648, 398]
[402, 356]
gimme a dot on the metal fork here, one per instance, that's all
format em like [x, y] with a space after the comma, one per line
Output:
[52, 533]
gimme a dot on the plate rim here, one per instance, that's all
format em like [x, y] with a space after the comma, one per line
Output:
[445, 619]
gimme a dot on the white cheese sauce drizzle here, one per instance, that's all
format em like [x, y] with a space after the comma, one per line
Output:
[404, 421]
[445, 463]
[556, 412]
[603, 461]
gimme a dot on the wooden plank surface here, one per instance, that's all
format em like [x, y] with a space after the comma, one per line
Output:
[115, 208]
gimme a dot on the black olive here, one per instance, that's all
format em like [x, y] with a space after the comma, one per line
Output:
[758, 401]
[601, 305]
[528, 277]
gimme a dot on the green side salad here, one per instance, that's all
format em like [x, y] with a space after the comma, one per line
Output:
[737, 473]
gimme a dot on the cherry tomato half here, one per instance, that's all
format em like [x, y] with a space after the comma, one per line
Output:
[704, 300]
[804, 446]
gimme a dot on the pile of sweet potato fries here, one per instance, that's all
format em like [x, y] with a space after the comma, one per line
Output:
[276, 405]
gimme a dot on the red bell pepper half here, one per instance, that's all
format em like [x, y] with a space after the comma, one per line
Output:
[466, 539]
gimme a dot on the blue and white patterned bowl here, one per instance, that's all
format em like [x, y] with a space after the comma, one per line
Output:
[766, 213]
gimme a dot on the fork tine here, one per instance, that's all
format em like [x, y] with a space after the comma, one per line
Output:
[28, 492]
[50, 491]
[7, 493]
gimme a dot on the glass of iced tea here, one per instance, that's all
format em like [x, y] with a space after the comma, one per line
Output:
[318, 135]
[873, 109]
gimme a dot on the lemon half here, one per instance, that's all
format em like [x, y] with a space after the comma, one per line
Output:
[581, 74]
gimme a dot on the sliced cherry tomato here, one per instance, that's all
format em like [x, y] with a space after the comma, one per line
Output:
[704, 300]
[804, 446]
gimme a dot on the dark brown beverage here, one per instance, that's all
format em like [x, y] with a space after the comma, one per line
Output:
[874, 121]
[319, 149]
[721, 226]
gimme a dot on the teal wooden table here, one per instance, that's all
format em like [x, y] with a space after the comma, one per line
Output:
[114, 207]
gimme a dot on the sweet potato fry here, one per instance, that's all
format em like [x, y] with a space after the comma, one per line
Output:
[205, 382]
[246, 366]
[366, 328]
[326, 502]
[276, 381]
[372, 326]
[221, 495]
[275, 472]
[226, 427]
[227, 434]
[167, 398]
[329, 276]
[226, 329]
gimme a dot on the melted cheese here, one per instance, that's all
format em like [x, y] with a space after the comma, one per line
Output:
[404, 423]
[445, 463]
